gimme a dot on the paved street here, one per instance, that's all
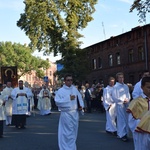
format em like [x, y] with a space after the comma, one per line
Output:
[41, 134]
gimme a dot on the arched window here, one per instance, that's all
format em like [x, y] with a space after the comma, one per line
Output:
[118, 58]
[99, 62]
[130, 55]
[140, 53]
[93, 63]
[110, 59]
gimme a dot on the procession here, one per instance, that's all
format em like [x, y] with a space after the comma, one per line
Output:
[75, 75]
[124, 116]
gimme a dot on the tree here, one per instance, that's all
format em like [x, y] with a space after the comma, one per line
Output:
[78, 65]
[143, 7]
[21, 56]
[52, 25]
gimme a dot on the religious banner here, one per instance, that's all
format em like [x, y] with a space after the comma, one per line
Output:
[9, 74]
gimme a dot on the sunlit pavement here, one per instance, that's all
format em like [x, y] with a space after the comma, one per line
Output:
[41, 134]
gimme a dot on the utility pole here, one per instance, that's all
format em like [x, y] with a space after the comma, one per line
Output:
[104, 30]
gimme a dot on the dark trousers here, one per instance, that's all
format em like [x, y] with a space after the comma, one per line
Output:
[94, 103]
[1, 127]
[35, 102]
[19, 120]
[53, 103]
[88, 103]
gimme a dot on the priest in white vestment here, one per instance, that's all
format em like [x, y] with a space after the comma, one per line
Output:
[137, 90]
[110, 107]
[30, 100]
[6, 94]
[121, 95]
[20, 97]
[2, 114]
[66, 100]
[44, 101]
[139, 117]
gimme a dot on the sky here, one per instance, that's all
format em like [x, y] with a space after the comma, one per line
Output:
[111, 18]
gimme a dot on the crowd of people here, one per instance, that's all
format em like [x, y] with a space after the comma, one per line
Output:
[127, 108]
[16, 104]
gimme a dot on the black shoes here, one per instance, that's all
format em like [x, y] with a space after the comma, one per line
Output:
[47, 114]
[23, 127]
[112, 133]
[108, 132]
[20, 127]
[124, 138]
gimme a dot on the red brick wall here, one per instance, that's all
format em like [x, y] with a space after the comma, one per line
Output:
[122, 43]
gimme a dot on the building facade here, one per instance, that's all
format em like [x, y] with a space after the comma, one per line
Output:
[128, 53]
[34, 81]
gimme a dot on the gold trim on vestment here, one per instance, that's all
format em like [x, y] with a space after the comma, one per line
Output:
[138, 107]
[144, 125]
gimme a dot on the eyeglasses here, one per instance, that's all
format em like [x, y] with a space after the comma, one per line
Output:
[69, 80]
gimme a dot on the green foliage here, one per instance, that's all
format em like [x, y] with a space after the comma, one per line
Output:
[21, 56]
[77, 65]
[143, 7]
[52, 25]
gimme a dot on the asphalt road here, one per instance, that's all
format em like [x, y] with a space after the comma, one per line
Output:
[41, 134]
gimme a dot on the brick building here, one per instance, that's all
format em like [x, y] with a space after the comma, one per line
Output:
[33, 80]
[128, 53]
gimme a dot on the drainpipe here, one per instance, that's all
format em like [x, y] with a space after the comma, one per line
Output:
[146, 49]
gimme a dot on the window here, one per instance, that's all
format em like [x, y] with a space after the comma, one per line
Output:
[131, 56]
[117, 42]
[50, 73]
[93, 63]
[44, 70]
[108, 44]
[129, 36]
[118, 58]
[29, 77]
[110, 59]
[100, 81]
[140, 53]
[99, 62]
[139, 34]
